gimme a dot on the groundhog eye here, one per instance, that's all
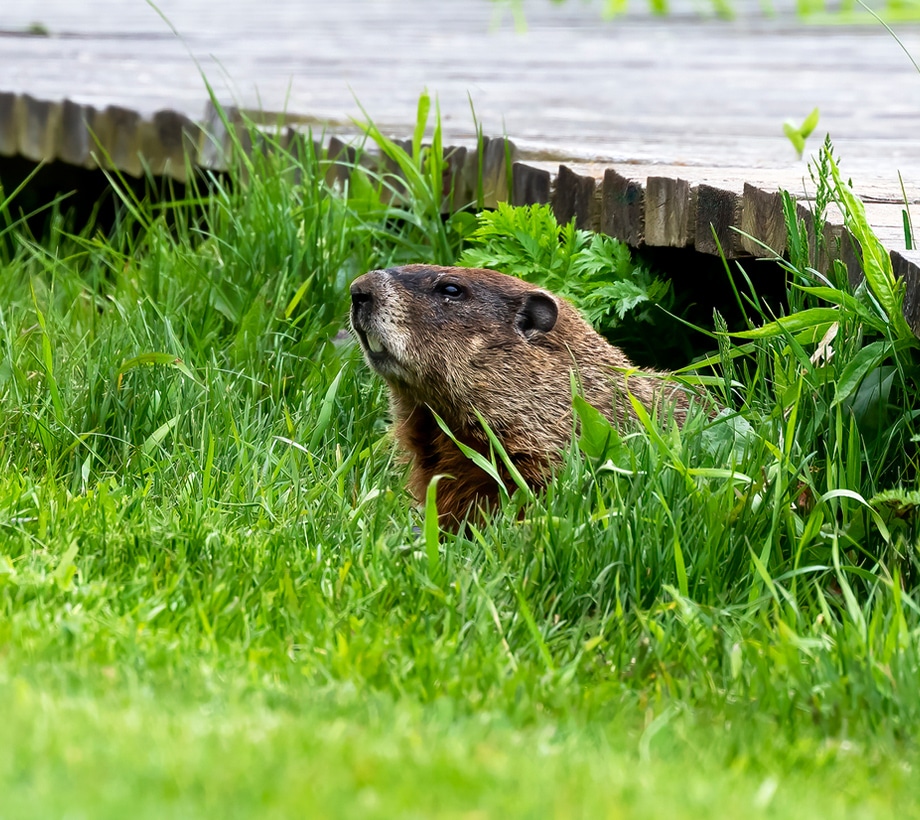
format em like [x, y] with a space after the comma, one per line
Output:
[451, 290]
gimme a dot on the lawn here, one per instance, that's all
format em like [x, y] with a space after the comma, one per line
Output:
[217, 599]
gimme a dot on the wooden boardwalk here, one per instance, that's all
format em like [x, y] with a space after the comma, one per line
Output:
[650, 129]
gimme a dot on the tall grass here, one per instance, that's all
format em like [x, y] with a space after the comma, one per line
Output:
[205, 542]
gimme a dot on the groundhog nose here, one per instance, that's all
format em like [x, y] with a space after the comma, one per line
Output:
[360, 295]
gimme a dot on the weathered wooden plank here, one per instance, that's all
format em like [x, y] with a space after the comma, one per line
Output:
[466, 182]
[496, 153]
[98, 126]
[530, 186]
[165, 143]
[455, 197]
[716, 216]
[39, 128]
[75, 140]
[762, 222]
[906, 264]
[9, 124]
[622, 207]
[667, 213]
[117, 143]
[575, 196]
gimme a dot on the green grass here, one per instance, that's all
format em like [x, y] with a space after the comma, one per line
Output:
[215, 599]
[345, 756]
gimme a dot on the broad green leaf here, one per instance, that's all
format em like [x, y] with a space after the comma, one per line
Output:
[325, 412]
[436, 163]
[855, 496]
[295, 299]
[849, 596]
[431, 526]
[680, 565]
[798, 134]
[876, 263]
[764, 575]
[486, 465]
[803, 320]
[157, 436]
[793, 135]
[505, 458]
[729, 435]
[813, 335]
[66, 569]
[849, 302]
[810, 123]
[597, 436]
[870, 357]
[871, 400]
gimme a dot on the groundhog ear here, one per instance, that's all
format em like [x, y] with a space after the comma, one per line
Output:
[537, 314]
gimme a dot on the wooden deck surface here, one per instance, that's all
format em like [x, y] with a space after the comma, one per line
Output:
[700, 101]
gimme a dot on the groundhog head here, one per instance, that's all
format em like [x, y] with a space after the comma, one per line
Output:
[453, 338]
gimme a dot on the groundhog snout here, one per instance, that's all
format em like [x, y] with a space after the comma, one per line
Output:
[362, 291]
[361, 302]
[364, 298]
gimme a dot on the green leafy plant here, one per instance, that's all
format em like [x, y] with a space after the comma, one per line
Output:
[619, 296]
[797, 134]
[406, 191]
[841, 371]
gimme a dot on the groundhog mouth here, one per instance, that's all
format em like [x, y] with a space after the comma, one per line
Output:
[373, 345]
[381, 359]
[378, 355]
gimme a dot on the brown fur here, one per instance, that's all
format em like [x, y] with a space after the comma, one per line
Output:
[498, 348]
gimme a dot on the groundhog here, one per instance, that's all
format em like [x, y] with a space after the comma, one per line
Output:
[454, 340]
